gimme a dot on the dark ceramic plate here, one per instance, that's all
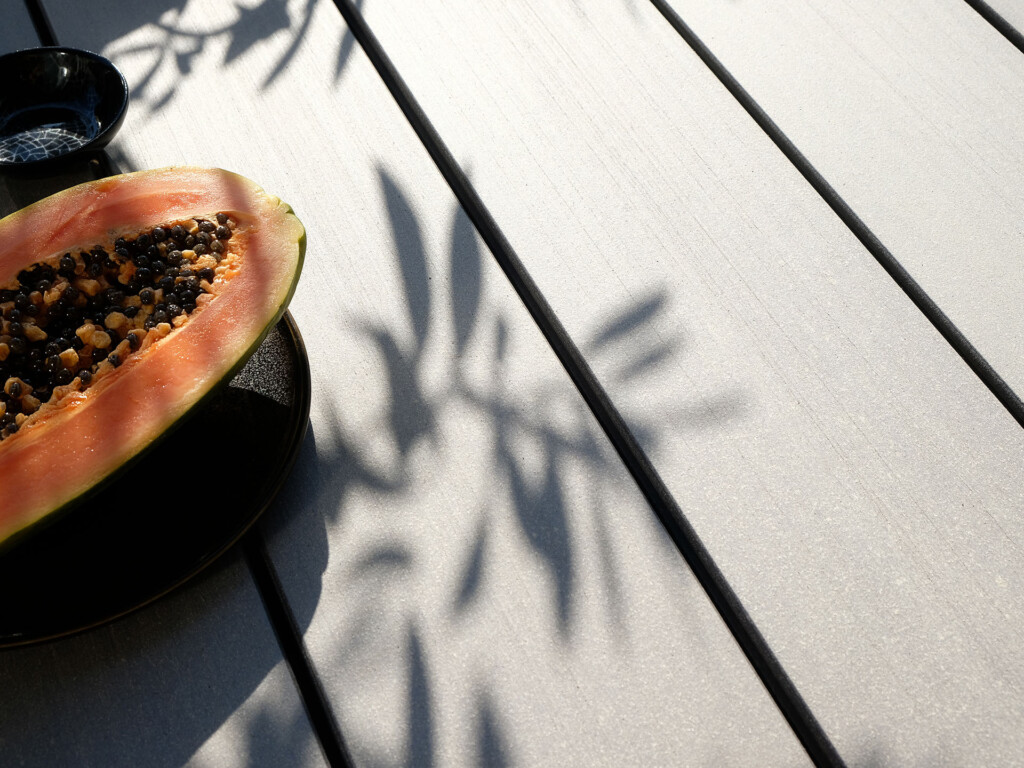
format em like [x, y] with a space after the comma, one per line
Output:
[178, 509]
[56, 103]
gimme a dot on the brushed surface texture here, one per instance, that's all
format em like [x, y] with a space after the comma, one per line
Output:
[858, 485]
[912, 111]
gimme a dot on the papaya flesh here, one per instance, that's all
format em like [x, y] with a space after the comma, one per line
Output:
[124, 303]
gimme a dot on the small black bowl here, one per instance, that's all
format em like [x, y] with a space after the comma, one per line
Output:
[55, 104]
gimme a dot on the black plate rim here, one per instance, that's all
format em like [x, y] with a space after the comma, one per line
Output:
[296, 435]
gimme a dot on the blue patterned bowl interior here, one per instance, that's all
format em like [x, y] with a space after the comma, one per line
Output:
[56, 103]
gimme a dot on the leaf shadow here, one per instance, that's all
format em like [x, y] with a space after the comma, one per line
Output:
[420, 748]
[543, 520]
[465, 278]
[274, 738]
[412, 257]
[492, 748]
[255, 25]
[472, 575]
[410, 415]
[173, 39]
[629, 321]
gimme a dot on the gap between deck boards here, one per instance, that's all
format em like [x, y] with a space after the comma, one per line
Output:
[1002, 26]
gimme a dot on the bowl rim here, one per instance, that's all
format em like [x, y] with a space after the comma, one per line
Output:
[104, 134]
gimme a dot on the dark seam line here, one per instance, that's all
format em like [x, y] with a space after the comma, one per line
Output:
[44, 30]
[289, 637]
[1005, 28]
[953, 335]
[729, 607]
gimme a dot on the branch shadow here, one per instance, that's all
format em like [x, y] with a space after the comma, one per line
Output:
[449, 320]
[156, 43]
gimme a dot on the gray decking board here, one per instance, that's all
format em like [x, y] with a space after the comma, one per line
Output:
[857, 484]
[911, 111]
[477, 578]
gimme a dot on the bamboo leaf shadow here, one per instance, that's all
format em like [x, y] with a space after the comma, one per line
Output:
[491, 744]
[273, 739]
[500, 340]
[543, 520]
[183, 61]
[412, 257]
[465, 279]
[389, 560]
[646, 362]
[609, 571]
[471, 579]
[628, 322]
[141, 87]
[177, 45]
[421, 720]
[410, 415]
[254, 25]
[162, 102]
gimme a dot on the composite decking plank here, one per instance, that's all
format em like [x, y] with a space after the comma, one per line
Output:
[858, 485]
[911, 111]
[477, 579]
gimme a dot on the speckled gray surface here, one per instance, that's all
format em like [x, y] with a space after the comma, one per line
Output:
[859, 487]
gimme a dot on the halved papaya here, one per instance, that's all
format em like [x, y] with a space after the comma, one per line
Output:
[124, 303]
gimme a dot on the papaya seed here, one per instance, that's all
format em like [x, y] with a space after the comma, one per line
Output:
[84, 312]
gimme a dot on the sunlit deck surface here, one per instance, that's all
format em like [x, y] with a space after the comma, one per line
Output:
[666, 366]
